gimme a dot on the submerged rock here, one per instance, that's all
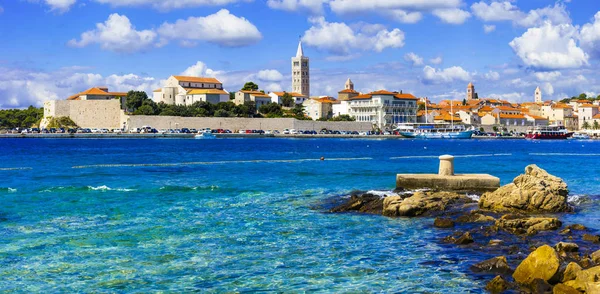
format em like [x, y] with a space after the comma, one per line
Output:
[540, 286]
[566, 247]
[591, 238]
[527, 225]
[541, 264]
[465, 239]
[443, 222]
[534, 191]
[497, 265]
[475, 217]
[497, 285]
[422, 203]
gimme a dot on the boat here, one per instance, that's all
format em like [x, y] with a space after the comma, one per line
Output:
[580, 136]
[206, 134]
[434, 131]
[548, 133]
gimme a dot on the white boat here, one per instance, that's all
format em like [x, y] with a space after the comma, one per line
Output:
[579, 136]
[205, 135]
[434, 131]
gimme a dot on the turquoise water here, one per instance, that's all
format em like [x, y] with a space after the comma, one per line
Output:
[179, 215]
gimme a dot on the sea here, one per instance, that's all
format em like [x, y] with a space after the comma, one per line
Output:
[246, 215]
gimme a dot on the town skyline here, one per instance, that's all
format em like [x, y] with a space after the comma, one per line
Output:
[506, 48]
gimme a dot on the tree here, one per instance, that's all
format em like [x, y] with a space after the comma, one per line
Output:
[231, 95]
[222, 113]
[585, 125]
[144, 110]
[343, 117]
[271, 110]
[596, 125]
[135, 99]
[582, 96]
[566, 100]
[250, 86]
[287, 100]
[421, 106]
[298, 111]
[464, 102]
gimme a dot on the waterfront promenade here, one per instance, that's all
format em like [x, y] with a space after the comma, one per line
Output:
[191, 136]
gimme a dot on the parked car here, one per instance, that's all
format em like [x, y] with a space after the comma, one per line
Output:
[116, 131]
[293, 132]
[286, 131]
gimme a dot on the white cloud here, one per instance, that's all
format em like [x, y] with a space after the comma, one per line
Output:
[403, 16]
[547, 89]
[359, 6]
[273, 87]
[200, 69]
[492, 76]
[452, 15]
[21, 88]
[550, 47]
[340, 39]
[489, 28]
[270, 75]
[60, 5]
[547, 76]
[222, 28]
[313, 6]
[436, 61]
[165, 5]
[447, 75]
[590, 36]
[506, 11]
[116, 34]
[511, 97]
[414, 59]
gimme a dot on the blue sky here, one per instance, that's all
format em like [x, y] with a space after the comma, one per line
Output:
[431, 48]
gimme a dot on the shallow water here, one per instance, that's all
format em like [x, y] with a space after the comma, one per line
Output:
[106, 215]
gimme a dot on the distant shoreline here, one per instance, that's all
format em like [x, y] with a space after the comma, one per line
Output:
[191, 136]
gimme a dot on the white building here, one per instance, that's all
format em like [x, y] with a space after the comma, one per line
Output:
[538, 95]
[300, 73]
[383, 108]
[587, 112]
[184, 90]
[317, 108]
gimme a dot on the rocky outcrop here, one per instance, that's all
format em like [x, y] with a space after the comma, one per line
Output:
[566, 247]
[571, 272]
[443, 223]
[541, 264]
[422, 203]
[465, 239]
[564, 289]
[534, 191]
[587, 280]
[520, 225]
[497, 285]
[498, 265]
[591, 238]
[365, 203]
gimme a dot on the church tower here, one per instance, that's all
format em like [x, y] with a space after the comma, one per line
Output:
[538, 95]
[470, 92]
[300, 73]
[349, 85]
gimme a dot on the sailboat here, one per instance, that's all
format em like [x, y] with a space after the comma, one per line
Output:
[433, 130]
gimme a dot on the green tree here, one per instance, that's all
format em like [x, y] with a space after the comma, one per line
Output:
[343, 117]
[566, 100]
[421, 106]
[271, 110]
[231, 95]
[298, 111]
[582, 96]
[596, 125]
[21, 118]
[585, 125]
[222, 113]
[134, 99]
[250, 86]
[464, 102]
[287, 100]
[144, 110]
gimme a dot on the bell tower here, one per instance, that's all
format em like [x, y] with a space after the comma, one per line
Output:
[300, 72]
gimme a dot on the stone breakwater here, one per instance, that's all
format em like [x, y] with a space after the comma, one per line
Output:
[519, 222]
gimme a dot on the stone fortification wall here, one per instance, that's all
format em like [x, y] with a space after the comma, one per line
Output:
[172, 122]
[86, 113]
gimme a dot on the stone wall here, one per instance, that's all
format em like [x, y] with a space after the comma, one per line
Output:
[233, 124]
[86, 113]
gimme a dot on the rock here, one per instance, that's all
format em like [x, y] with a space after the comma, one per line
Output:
[497, 285]
[565, 231]
[571, 272]
[564, 289]
[566, 247]
[577, 227]
[542, 264]
[595, 257]
[465, 239]
[475, 217]
[366, 203]
[591, 238]
[527, 225]
[587, 280]
[421, 203]
[443, 223]
[534, 191]
[497, 265]
[540, 286]
[495, 242]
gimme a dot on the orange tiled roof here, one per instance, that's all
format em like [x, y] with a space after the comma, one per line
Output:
[96, 91]
[405, 96]
[563, 106]
[157, 90]
[536, 117]
[587, 105]
[383, 92]
[293, 94]
[363, 96]
[511, 115]
[348, 91]
[597, 116]
[197, 79]
[507, 108]
[206, 91]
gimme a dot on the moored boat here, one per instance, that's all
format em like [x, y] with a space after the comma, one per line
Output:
[434, 131]
[580, 136]
[548, 133]
[206, 134]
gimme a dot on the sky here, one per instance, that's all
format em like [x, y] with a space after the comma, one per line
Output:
[52, 49]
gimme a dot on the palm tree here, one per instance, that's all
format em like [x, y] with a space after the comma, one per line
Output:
[585, 125]
[596, 125]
